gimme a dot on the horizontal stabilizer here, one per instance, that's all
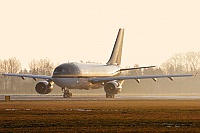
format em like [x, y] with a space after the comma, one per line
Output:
[125, 69]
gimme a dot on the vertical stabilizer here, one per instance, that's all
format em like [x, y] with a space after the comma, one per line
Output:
[115, 58]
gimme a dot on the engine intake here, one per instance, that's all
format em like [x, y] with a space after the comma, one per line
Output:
[112, 88]
[43, 87]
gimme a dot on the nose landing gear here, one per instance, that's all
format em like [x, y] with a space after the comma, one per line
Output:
[66, 93]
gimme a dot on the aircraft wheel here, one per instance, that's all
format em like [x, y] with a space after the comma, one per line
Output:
[70, 94]
[107, 96]
[67, 94]
[110, 96]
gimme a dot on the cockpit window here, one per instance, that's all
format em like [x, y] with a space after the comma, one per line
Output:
[67, 69]
[58, 69]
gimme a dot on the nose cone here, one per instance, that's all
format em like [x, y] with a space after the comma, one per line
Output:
[66, 70]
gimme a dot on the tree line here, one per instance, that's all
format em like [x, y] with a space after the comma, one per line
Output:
[16, 84]
[183, 63]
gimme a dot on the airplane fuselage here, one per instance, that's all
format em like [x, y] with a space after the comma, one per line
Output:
[76, 75]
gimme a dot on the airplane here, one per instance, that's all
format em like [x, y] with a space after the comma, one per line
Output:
[91, 76]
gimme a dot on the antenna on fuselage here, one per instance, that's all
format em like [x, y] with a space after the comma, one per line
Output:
[115, 58]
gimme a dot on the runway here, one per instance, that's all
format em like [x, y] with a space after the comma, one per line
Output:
[94, 98]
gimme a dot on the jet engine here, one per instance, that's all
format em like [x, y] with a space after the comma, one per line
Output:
[43, 87]
[112, 88]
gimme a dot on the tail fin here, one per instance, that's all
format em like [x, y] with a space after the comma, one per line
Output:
[115, 58]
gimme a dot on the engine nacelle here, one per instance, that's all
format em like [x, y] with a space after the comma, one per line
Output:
[43, 87]
[112, 88]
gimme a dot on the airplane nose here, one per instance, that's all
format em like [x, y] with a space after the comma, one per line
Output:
[66, 69]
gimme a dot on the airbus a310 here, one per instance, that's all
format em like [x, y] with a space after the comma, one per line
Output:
[91, 76]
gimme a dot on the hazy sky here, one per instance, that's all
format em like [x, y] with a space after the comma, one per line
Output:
[74, 30]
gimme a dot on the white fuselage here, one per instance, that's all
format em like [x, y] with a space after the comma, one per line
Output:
[76, 75]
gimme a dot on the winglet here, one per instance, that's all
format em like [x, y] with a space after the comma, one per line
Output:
[172, 79]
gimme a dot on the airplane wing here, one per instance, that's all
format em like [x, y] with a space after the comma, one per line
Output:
[23, 76]
[137, 78]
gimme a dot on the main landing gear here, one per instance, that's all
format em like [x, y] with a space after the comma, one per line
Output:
[66, 93]
[110, 96]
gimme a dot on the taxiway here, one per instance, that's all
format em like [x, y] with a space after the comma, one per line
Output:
[95, 97]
